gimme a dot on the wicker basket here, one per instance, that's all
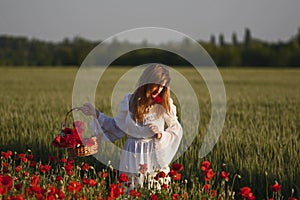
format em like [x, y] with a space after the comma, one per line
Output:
[81, 150]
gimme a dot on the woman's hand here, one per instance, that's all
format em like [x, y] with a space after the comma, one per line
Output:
[90, 110]
[155, 130]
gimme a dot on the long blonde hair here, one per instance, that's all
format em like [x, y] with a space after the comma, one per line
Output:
[154, 75]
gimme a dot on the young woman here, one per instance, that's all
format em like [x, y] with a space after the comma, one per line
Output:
[148, 117]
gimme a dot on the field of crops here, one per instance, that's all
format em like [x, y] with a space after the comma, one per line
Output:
[261, 132]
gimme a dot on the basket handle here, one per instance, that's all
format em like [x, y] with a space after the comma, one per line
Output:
[63, 125]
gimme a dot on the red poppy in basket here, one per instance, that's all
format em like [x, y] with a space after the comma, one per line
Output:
[70, 138]
[79, 126]
[89, 142]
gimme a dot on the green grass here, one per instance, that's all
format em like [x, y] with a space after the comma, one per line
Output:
[261, 131]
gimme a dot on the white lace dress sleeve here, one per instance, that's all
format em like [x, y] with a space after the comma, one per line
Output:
[168, 144]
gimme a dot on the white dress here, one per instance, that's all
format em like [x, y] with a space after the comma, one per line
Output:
[141, 146]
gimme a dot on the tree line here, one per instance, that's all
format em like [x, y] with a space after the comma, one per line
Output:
[21, 51]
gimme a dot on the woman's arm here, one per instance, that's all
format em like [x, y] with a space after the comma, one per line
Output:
[107, 124]
[110, 128]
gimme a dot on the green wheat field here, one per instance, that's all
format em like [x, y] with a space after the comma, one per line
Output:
[261, 132]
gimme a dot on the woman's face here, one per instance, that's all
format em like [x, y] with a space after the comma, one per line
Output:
[155, 90]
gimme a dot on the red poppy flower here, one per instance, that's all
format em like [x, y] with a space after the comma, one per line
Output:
[153, 197]
[143, 168]
[62, 141]
[32, 164]
[79, 126]
[250, 196]
[175, 196]
[35, 179]
[213, 193]
[165, 186]
[276, 187]
[205, 165]
[6, 181]
[5, 170]
[71, 162]
[25, 173]
[69, 173]
[176, 177]
[63, 160]
[134, 193]
[85, 167]
[160, 174]
[5, 167]
[23, 157]
[157, 99]
[59, 178]
[28, 191]
[17, 197]
[18, 186]
[3, 190]
[172, 172]
[74, 186]
[69, 137]
[44, 168]
[112, 189]
[36, 189]
[68, 131]
[92, 182]
[85, 181]
[68, 167]
[24, 160]
[246, 193]
[103, 174]
[57, 141]
[73, 142]
[206, 187]
[224, 175]
[89, 142]
[177, 167]
[209, 174]
[29, 157]
[51, 190]
[18, 168]
[60, 194]
[7, 154]
[116, 190]
[75, 135]
[5, 164]
[123, 178]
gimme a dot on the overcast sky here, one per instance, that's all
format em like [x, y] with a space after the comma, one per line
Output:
[270, 20]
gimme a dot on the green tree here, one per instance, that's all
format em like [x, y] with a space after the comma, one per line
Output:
[213, 40]
[234, 39]
[247, 37]
[221, 40]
